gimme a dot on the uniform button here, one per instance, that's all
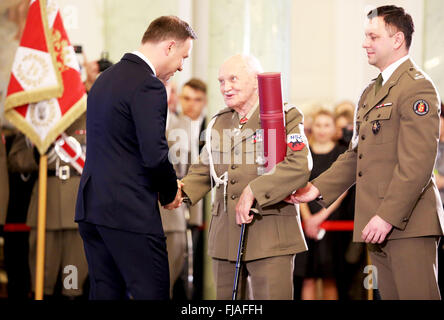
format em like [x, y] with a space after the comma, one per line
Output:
[359, 117]
[363, 137]
[366, 118]
[364, 105]
[267, 196]
[379, 115]
[233, 166]
[233, 197]
[360, 156]
[360, 173]
[233, 181]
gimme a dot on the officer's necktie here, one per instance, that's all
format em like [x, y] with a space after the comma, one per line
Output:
[378, 83]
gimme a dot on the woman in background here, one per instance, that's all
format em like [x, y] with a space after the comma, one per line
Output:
[324, 256]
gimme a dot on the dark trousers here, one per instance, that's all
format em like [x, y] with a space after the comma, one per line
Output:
[125, 265]
[16, 250]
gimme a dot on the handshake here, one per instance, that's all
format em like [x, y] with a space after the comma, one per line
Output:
[179, 198]
[303, 195]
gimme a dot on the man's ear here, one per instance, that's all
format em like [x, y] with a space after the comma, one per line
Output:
[399, 39]
[169, 46]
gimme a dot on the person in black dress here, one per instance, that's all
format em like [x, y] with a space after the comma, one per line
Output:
[323, 258]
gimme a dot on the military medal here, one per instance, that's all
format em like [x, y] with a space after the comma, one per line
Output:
[257, 137]
[376, 126]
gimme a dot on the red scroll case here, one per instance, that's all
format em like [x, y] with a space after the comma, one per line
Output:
[272, 118]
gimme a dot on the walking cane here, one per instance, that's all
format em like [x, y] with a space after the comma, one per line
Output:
[240, 252]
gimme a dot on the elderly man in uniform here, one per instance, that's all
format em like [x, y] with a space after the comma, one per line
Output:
[64, 247]
[391, 158]
[184, 128]
[232, 161]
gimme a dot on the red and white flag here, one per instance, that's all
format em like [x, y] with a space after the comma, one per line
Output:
[45, 92]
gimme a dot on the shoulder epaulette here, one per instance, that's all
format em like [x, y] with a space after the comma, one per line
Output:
[222, 111]
[415, 74]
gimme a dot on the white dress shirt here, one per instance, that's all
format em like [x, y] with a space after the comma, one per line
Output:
[387, 73]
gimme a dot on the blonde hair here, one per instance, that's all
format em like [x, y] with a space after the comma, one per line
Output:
[323, 112]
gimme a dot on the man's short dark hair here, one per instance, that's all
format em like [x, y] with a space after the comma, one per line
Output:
[168, 27]
[196, 84]
[398, 18]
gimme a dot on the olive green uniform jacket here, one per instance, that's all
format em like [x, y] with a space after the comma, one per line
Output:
[391, 157]
[275, 230]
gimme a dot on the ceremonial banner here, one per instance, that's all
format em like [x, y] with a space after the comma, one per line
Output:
[45, 93]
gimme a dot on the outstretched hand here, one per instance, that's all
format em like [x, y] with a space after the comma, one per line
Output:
[178, 199]
[303, 195]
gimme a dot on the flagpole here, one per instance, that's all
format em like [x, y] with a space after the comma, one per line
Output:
[41, 226]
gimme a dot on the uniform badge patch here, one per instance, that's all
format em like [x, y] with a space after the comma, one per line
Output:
[295, 142]
[421, 107]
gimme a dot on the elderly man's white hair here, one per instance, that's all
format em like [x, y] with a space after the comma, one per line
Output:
[251, 62]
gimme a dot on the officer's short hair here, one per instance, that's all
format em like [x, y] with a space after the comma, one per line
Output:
[168, 27]
[396, 17]
[196, 84]
[442, 110]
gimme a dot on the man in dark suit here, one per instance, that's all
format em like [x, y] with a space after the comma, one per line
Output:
[127, 168]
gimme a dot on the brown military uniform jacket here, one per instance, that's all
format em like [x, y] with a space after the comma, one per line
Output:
[61, 194]
[392, 157]
[275, 230]
[4, 183]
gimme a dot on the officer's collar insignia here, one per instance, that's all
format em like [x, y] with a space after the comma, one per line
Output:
[376, 126]
[384, 105]
[421, 107]
[243, 121]
[295, 142]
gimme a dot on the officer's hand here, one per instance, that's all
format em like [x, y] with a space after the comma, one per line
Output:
[178, 200]
[180, 184]
[376, 230]
[305, 194]
[244, 205]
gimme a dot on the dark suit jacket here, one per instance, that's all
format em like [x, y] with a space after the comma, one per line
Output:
[127, 168]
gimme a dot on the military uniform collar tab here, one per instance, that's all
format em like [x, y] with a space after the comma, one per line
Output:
[250, 112]
[391, 69]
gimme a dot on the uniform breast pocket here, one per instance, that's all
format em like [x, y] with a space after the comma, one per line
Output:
[251, 151]
[381, 125]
